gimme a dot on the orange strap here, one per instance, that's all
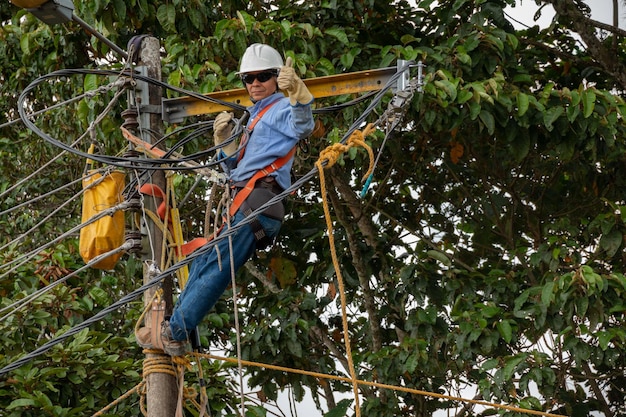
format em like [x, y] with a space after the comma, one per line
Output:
[242, 194]
[192, 245]
[156, 191]
[250, 128]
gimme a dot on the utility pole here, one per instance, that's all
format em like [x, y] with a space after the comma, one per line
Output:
[145, 109]
[161, 394]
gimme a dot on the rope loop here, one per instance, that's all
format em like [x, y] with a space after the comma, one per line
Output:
[331, 154]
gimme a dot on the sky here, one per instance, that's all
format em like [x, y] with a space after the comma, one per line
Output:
[601, 10]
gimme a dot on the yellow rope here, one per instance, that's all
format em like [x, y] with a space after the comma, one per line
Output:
[160, 363]
[165, 364]
[379, 385]
[157, 295]
[330, 155]
[136, 389]
[203, 392]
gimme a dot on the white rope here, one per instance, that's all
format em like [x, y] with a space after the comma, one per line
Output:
[233, 278]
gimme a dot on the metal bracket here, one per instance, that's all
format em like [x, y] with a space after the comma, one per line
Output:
[150, 108]
[142, 98]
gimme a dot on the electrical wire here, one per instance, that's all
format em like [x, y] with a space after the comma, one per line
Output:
[207, 247]
[110, 160]
[22, 303]
[28, 256]
[39, 197]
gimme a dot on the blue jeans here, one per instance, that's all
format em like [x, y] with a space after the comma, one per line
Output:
[207, 282]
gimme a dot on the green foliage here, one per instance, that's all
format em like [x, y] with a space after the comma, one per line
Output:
[487, 254]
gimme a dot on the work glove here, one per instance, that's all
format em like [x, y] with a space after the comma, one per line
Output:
[288, 81]
[222, 130]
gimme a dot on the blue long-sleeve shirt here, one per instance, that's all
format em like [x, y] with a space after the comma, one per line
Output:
[274, 135]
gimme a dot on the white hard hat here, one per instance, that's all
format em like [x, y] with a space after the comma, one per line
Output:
[259, 57]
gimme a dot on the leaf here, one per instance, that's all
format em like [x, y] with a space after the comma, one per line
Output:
[295, 348]
[439, 256]
[120, 9]
[505, 330]
[284, 270]
[464, 96]
[547, 293]
[488, 121]
[551, 116]
[458, 4]
[174, 78]
[448, 87]
[511, 364]
[21, 402]
[286, 27]
[475, 109]
[604, 338]
[589, 102]
[522, 103]
[456, 152]
[339, 34]
[572, 113]
[611, 242]
[411, 362]
[346, 60]
[166, 14]
[246, 20]
[91, 82]
[340, 410]
[490, 364]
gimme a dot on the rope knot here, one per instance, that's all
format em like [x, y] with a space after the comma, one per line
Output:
[331, 154]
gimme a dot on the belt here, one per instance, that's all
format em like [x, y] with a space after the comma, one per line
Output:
[268, 183]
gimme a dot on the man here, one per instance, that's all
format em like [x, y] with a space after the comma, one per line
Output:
[276, 125]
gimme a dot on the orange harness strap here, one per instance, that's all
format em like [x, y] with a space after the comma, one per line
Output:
[240, 197]
[250, 128]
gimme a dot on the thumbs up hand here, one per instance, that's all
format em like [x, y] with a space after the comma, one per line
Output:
[293, 85]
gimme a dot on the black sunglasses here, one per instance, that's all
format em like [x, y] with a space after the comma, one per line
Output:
[261, 76]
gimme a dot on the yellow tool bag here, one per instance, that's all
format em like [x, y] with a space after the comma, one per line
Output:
[102, 192]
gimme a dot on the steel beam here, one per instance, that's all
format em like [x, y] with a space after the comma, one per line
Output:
[176, 109]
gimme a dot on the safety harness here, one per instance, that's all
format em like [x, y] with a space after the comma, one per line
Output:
[259, 186]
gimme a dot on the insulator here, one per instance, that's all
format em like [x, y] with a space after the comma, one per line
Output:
[130, 118]
[134, 238]
[133, 202]
[131, 153]
[132, 157]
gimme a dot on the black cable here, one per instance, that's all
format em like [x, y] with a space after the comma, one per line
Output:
[224, 234]
[110, 160]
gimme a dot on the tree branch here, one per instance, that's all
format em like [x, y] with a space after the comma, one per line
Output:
[586, 27]
[359, 264]
[590, 377]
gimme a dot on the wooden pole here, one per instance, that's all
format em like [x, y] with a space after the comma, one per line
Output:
[161, 394]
